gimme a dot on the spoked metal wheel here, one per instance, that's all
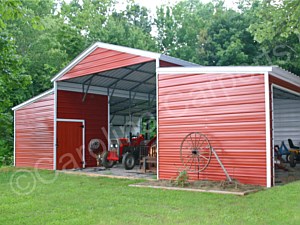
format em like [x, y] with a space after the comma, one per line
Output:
[195, 152]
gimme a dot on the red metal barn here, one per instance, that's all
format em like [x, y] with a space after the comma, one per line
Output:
[244, 112]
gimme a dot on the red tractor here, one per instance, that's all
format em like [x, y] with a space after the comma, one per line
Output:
[126, 151]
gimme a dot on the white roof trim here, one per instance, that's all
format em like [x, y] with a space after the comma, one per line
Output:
[214, 69]
[133, 51]
[273, 70]
[33, 99]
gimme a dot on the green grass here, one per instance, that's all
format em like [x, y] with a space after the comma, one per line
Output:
[72, 199]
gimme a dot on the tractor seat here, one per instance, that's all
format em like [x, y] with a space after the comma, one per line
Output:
[291, 144]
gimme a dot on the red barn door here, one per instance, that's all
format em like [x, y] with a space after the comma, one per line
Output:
[69, 145]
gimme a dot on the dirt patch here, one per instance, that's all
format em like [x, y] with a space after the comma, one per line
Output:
[223, 187]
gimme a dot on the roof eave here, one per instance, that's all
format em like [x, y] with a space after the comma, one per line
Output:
[177, 61]
[273, 70]
[148, 54]
[74, 62]
[33, 99]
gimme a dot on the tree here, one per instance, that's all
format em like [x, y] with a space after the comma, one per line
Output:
[46, 50]
[277, 28]
[99, 21]
[225, 40]
[13, 81]
[178, 27]
[276, 19]
[207, 34]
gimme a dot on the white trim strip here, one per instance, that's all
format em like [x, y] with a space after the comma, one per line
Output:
[14, 138]
[108, 123]
[273, 133]
[214, 69]
[83, 135]
[128, 50]
[33, 99]
[286, 89]
[69, 120]
[55, 127]
[157, 117]
[83, 145]
[268, 130]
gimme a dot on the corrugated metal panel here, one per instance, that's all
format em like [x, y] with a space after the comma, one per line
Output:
[228, 109]
[93, 110]
[116, 72]
[286, 112]
[69, 145]
[286, 121]
[102, 60]
[149, 67]
[34, 134]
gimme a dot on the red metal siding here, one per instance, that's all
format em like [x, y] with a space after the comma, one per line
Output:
[282, 83]
[34, 134]
[228, 108]
[69, 145]
[103, 59]
[94, 110]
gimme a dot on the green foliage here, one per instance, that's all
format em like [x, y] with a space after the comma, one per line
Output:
[9, 10]
[182, 179]
[276, 19]
[277, 28]
[225, 40]
[207, 34]
[152, 129]
[178, 28]
[46, 50]
[13, 85]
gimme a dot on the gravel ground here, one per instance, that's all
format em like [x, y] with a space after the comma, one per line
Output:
[284, 177]
[118, 171]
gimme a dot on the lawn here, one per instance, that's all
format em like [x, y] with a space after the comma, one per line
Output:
[71, 199]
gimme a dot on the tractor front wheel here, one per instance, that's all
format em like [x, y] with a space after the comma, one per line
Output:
[107, 163]
[292, 159]
[128, 161]
[287, 158]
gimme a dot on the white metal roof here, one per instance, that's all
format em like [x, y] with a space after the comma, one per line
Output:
[29, 101]
[121, 49]
[273, 70]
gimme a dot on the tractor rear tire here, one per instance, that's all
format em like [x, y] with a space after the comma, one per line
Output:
[107, 163]
[293, 159]
[128, 161]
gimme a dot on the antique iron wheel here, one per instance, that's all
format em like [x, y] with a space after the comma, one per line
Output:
[195, 152]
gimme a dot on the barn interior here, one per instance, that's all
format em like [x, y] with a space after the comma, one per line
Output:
[131, 95]
[286, 135]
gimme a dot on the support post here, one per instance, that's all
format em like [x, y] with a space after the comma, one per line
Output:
[221, 164]
[88, 87]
